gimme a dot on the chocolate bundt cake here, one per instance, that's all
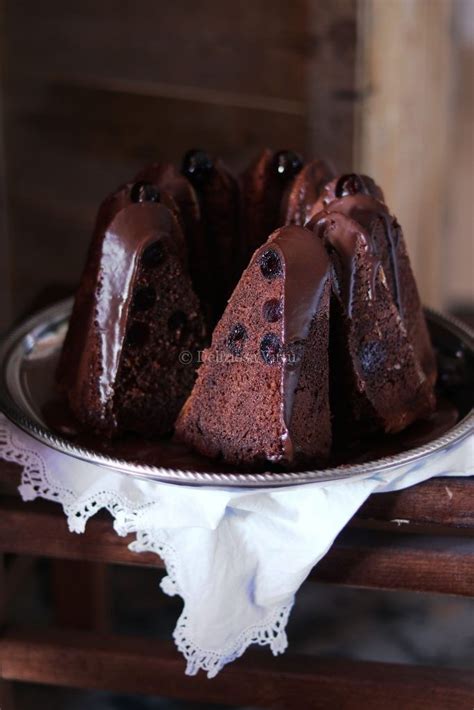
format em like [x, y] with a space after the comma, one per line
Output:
[135, 312]
[262, 393]
[323, 339]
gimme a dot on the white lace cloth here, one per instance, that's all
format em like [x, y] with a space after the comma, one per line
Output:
[236, 556]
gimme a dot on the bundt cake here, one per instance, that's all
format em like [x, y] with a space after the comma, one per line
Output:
[262, 393]
[134, 313]
[323, 339]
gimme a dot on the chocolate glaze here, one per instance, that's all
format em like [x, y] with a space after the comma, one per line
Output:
[307, 271]
[167, 177]
[387, 242]
[99, 341]
[330, 191]
[371, 214]
[371, 328]
[304, 191]
[343, 236]
[262, 187]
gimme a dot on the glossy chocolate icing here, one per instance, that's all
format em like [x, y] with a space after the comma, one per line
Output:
[386, 238]
[356, 184]
[373, 215]
[344, 236]
[167, 177]
[304, 191]
[306, 271]
[99, 341]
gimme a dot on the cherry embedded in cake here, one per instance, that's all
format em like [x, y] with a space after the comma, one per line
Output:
[134, 313]
[262, 393]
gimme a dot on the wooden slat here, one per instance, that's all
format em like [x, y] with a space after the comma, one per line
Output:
[357, 558]
[130, 665]
[441, 502]
[94, 93]
[404, 127]
[412, 562]
[84, 605]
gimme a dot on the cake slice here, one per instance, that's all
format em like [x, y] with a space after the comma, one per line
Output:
[263, 185]
[134, 313]
[377, 381]
[359, 198]
[262, 393]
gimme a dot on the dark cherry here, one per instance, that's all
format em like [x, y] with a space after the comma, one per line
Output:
[177, 322]
[350, 184]
[270, 348]
[137, 334]
[144, 192]
[287, 164]
[272, 310]
[197, 166]
[236, 339]
[153, 255]
[144, 298]
[270, 264]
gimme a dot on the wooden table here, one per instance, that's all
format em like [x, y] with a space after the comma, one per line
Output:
[419, 539]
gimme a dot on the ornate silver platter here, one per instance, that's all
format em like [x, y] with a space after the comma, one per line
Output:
[28, 356]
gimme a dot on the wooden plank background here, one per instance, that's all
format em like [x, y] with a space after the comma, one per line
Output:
[92, 90]
[95, 89]
[405, 70]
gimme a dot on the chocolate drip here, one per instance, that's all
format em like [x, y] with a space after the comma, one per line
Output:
[306, 273]
[342, 237]
[367, 211]
[129, 233]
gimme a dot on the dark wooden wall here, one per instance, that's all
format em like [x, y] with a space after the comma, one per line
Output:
[94, 89]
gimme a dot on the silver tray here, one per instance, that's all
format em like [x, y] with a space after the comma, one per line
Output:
[28, 355]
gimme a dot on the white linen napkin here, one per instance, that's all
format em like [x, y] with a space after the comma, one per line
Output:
[236, 556]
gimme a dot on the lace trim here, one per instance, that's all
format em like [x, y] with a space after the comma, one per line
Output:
[36, 484]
